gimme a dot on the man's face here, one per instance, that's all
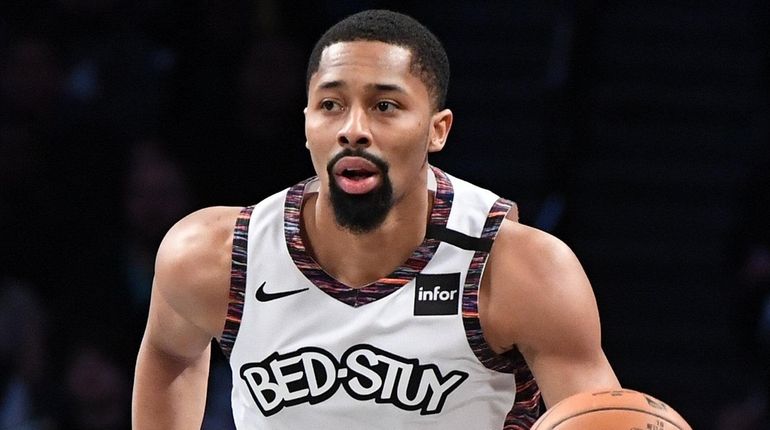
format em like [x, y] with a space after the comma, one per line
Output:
[370, 124]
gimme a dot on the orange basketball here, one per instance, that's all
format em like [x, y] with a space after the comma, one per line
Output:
[611, 410]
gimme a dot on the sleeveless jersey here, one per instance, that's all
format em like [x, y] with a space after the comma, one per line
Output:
[405, 352]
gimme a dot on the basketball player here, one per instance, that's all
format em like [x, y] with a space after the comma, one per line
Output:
[381, 294]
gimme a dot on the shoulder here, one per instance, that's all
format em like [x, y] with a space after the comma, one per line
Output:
[533, 252]
[197, 238]
[192, 267]
[535, 286]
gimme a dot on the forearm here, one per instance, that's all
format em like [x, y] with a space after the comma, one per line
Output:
[169, 392]
[561, 376]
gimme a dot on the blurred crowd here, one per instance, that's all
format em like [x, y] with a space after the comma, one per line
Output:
[117, 118]
[749, 262]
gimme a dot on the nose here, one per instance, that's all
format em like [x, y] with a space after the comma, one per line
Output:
[355, 130]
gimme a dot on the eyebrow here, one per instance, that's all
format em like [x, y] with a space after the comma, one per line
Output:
[376, 87]
[386, 88]
[331, 85]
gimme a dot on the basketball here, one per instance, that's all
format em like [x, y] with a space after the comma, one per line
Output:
[611, 410]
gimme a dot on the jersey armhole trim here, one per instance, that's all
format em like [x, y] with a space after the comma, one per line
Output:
[526, 406]
[237, 281]
[476, 341]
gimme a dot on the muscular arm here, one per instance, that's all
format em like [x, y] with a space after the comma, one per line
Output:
[187, 309]
[537, 297]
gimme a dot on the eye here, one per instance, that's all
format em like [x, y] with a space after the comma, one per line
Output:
[330, 105]
[385, 106]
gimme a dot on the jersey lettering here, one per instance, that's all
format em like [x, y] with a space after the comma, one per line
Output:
[312, 375]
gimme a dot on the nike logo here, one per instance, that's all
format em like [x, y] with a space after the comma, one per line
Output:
[264, 296]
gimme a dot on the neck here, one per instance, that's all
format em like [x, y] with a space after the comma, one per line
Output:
[359, 259]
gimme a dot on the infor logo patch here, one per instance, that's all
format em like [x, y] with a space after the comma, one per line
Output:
[437, 294]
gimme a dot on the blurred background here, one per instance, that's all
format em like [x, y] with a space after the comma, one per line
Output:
[638, 132]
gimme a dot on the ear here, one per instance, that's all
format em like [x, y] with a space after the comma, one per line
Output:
[307, 144]
[441, 123]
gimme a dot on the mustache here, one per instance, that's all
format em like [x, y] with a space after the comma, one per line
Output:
[347, 152]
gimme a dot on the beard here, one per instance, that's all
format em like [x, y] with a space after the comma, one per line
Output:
[360, 213]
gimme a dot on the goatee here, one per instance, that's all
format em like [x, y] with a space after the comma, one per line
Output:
[360, 213]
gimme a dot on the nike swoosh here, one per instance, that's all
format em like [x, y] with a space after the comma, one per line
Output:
[264, 296]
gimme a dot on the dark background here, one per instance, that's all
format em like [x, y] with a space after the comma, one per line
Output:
[638, 132]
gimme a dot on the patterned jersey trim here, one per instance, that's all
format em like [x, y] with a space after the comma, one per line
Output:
[526, 406]
[237, 281]
[356, 297]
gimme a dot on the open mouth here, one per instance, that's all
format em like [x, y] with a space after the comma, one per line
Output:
[356, 175]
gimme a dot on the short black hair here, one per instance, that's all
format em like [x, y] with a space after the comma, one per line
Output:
[429, 60]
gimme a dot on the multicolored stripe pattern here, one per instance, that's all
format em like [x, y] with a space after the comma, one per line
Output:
[356, 297]
[526, 407]
[237, 281]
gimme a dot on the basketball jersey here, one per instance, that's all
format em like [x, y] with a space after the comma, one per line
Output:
[405, 352]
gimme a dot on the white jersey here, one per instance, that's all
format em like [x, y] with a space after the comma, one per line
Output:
[405, 352]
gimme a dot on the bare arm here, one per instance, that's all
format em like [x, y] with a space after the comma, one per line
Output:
[187, 309]
[538, 298]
